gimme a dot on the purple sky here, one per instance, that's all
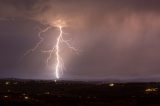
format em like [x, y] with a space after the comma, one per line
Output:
[117, 39]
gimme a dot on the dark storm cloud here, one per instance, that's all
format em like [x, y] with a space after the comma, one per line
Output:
[82, 12]
[118, 38]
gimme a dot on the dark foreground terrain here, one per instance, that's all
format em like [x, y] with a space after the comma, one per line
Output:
[68, 93]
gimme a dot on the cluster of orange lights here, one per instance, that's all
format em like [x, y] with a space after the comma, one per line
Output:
[151, 90]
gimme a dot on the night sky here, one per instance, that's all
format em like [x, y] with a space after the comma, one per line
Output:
[116, 39]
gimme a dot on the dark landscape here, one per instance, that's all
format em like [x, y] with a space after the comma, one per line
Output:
[77, 93]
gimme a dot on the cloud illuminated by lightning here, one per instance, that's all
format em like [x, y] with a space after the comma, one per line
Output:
[56, 48]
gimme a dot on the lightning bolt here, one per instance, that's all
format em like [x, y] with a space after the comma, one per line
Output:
[59, 67]
[59, 63]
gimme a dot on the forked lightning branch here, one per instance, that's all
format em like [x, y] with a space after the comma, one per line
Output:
[58, 67]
